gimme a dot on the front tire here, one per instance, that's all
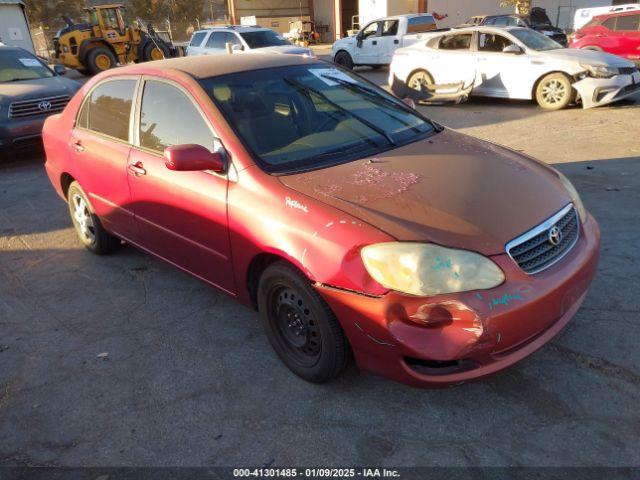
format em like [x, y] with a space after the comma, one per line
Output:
[300, 326]
[554, 92]
[87, 224]
[100, 59]
[343, 59]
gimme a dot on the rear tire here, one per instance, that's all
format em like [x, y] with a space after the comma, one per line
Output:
[100, 59]
[300, 326]
[343, 59]
[554, 92]
[87, 224]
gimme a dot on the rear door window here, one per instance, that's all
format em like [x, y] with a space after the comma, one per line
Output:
[197, 38]
[390, 28]
[107, 111]
[456, 42]
[160, 124]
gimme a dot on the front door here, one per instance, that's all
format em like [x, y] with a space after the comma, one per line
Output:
[501, 74]
[367, 48]
[182, 216]
[100, 147]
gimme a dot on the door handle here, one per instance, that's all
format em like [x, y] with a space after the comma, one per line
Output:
[137, 169]
[77, 146]
[396, 41]
[482, 59]
[375, 42]
[600, 35]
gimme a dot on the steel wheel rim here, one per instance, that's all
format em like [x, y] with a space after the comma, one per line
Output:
[418, 81]
[156, 54]
[296, 328]
[554, 92]
[83, 219]
[103, 62]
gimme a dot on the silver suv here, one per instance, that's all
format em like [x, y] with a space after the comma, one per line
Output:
[213, 41]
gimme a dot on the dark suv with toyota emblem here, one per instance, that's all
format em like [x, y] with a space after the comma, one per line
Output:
[29, 92]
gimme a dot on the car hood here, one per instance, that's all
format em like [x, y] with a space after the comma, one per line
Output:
[451, 189]
[343, 42]
[587, 56]
[287, 49]
[38, 88]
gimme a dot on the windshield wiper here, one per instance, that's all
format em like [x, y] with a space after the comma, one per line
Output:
[346, 150]
[375, 97]
[305, 89]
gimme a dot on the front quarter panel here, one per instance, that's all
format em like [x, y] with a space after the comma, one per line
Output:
[267, 217]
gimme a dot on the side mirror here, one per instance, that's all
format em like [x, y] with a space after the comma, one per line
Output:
[192, 158]
[409, 102]
[359, 38]
[60, 69]
[513, 49]
[236, 47]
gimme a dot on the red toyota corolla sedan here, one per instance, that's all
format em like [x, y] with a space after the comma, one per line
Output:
[348, 220]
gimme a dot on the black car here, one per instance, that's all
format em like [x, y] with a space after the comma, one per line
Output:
[29, 92]
[536, 20]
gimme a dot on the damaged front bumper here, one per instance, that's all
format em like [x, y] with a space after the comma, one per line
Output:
[473, 334]
[595, 92]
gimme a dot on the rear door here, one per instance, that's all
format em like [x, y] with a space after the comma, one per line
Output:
[628, 27]
[196, 43]
[100, 146]
[182, 216]
[389, 41]
[453, 61]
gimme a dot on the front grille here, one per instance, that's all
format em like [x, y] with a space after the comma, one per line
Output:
[627, 70]
[38, 106]
[538, 249]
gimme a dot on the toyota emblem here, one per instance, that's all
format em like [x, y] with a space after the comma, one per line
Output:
[555, 236]
[45, 106]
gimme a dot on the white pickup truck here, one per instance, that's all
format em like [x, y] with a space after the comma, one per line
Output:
[375, 44]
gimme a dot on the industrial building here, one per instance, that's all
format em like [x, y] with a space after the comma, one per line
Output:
[334, 18]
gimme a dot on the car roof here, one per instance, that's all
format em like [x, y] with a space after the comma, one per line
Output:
[12, 48]
[205, 66]
[233, 28]
[476, 28]
[619, 13]
[408, 15]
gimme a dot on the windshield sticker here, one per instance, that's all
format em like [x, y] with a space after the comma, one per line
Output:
[30, 62]
[325, 75]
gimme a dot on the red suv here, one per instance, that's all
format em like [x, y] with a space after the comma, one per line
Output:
[352, 223]
[617, 33]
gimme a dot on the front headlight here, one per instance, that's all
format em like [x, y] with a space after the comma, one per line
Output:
[575, 197]
[426, 269]
[600, 71]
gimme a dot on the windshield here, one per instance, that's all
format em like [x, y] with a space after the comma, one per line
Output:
[16, 65]
[535, 40]
[263, 38]
[310, 116]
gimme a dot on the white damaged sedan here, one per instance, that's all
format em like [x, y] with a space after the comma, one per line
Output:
[515, 62]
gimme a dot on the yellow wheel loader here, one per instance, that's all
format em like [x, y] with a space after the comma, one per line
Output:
[105, 40]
